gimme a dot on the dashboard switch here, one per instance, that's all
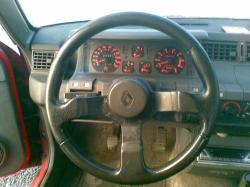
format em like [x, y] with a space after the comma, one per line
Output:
[83, 85]
[87, 85]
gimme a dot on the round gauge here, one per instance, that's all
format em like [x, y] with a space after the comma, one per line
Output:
[137, 51]
[145, 67]
[128, 66]
[169, 61]
[106, 58]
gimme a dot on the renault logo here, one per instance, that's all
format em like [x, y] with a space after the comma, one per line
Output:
[127, 99]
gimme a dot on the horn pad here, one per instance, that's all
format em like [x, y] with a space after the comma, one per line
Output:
[128, 97]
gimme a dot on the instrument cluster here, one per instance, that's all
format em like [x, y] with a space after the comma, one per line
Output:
[138, 58]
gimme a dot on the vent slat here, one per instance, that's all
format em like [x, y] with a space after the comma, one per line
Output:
[42, 59]
[248, 52]
[221, 50]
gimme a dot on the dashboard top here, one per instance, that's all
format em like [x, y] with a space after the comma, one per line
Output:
[201, 28]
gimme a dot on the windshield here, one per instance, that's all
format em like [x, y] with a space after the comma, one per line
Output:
[46, 12]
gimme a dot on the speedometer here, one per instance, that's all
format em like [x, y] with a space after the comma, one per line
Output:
[106, 58]
[169, 60]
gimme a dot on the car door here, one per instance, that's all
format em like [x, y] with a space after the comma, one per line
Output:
[20, 140]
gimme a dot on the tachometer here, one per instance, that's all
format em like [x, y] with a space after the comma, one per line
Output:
[169, 61]
[106, 58]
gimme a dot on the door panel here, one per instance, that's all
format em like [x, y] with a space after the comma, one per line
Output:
[13, 138]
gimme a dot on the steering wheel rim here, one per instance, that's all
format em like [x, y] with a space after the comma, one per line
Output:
[207, 102]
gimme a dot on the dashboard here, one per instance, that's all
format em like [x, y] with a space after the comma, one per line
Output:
[158, 59]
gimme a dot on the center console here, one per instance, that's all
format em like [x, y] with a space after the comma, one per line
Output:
[228, 151]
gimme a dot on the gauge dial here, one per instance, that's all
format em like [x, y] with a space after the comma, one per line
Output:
[137, 51]
[169, 61]
[145, 67]
[128, 66]
[106, 58]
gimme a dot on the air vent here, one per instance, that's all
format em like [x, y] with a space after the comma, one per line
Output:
[42, 59]
[248, 52]
[221, 50]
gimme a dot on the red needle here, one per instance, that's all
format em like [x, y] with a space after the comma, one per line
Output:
[162, 63]
[100, 61]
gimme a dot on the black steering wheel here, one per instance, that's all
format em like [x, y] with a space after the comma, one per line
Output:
[130, 98]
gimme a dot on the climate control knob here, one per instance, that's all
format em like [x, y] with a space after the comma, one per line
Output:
[231, 108]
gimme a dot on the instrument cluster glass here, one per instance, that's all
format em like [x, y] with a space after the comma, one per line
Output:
[169, 60]
[136, 58]
[106, 58]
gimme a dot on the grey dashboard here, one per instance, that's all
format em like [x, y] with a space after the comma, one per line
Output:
[230, 57]
[229, 53]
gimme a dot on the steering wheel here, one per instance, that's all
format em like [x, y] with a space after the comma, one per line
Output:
[131, 99]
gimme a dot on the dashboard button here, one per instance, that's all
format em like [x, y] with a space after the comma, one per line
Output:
[84, 85]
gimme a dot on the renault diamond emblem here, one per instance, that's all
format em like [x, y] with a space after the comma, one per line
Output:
[127, 99]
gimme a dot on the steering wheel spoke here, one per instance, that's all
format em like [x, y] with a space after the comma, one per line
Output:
[78, 107]
[176, 101]
[132, 158]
